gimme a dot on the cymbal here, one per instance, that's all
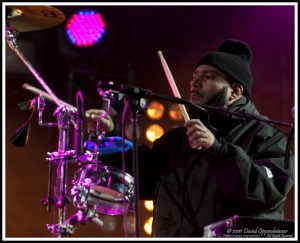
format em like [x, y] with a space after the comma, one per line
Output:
[33, 18]
[109, 145]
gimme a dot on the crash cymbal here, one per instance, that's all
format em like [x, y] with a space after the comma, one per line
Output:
[33, 18]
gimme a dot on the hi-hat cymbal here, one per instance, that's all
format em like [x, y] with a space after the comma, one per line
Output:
[32, 18]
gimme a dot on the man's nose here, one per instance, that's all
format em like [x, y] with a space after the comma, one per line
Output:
[196, 83]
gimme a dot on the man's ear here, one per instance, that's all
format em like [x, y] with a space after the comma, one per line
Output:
[236, 91]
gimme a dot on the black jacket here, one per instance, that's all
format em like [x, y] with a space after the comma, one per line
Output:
[241, 174]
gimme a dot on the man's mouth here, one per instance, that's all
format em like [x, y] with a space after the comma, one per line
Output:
[196, 94]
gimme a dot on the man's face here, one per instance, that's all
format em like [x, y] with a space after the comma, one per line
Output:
[209, 86]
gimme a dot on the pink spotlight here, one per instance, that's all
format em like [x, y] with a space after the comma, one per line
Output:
[85, 28]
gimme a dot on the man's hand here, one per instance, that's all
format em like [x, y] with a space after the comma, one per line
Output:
[199, 136]
[106, 123]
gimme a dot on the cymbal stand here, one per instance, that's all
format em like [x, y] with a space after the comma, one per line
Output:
[11, 37]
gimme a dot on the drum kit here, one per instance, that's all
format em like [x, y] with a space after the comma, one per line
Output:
[96, 188]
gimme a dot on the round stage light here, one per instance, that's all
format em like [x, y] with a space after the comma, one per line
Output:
[85, 28]
[153, 132]
[155, 110]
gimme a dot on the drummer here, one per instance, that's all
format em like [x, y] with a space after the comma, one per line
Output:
[197, 175]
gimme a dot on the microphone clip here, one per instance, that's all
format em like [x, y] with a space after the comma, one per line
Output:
[122, 93]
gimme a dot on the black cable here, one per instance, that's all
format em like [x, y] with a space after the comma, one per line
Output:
[123, 164]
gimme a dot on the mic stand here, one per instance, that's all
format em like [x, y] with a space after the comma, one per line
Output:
[134, 105]
[138, 92]
[243, 116]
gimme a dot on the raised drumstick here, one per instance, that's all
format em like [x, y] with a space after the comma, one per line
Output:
[173, 85]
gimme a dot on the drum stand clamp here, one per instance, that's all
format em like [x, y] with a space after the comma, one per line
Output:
[62, 230]
[82, 216]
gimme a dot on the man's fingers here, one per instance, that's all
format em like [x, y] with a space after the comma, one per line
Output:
[195, 128]
[193, 122]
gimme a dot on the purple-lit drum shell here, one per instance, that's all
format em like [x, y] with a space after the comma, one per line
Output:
[106, 188]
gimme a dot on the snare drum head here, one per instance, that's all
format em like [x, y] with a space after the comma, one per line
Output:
[106, 193]
[109, 190]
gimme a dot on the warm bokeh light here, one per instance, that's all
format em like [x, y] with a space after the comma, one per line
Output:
[148, 226]
[149, 205]
[17, 12]
[153, 132]
[175, 113]
[155, 110]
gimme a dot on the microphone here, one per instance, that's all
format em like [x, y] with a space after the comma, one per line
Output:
[119, 92]
[125, 89]
[80, 124]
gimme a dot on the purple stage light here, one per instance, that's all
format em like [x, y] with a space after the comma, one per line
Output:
[85, 28]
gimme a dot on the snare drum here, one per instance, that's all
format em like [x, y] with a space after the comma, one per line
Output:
[102, 188]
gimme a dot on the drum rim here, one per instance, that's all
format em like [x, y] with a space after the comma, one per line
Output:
[111, 171]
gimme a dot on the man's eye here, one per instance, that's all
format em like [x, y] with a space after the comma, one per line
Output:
[210, 77]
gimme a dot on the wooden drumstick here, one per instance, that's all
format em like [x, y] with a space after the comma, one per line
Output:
[174, 88]
[173, 85]
[45, 95]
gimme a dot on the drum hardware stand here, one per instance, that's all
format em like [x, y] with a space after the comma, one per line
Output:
[61, 158]
[65, 116]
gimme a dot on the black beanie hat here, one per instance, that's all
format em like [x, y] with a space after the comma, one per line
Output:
[233, 58]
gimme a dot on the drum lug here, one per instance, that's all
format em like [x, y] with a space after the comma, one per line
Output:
[47, 201]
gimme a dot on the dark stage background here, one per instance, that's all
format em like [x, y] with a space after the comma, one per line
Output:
[128, 55]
